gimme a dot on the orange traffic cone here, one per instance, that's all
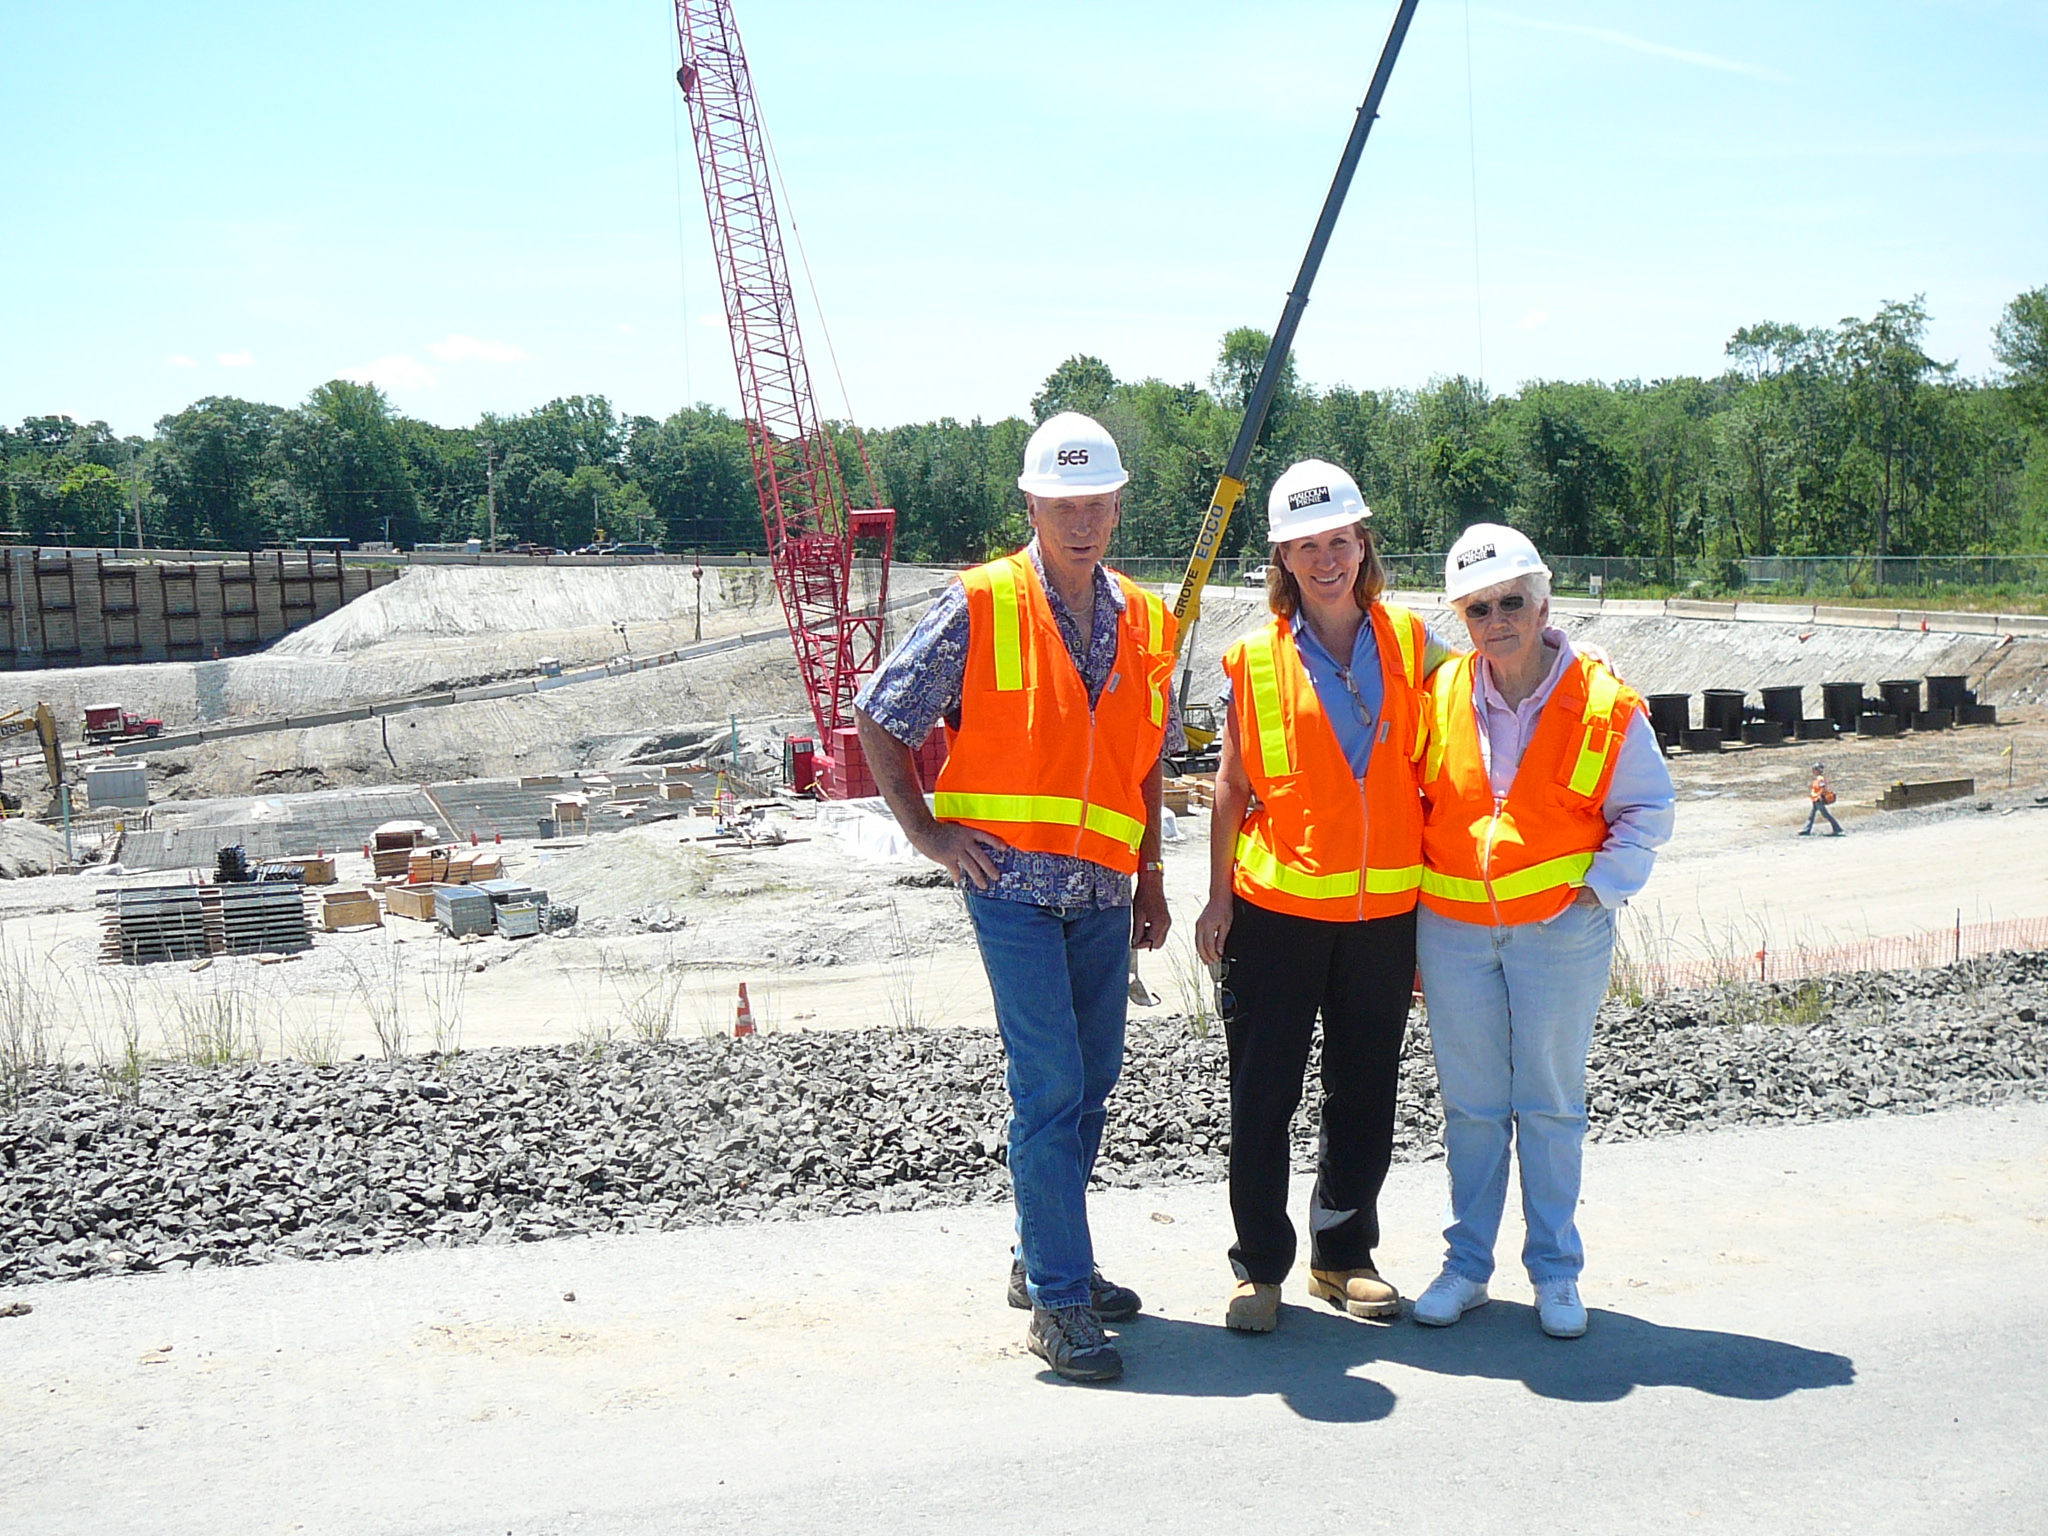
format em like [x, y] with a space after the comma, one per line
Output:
[498, 837]
[472, 837]
[743, 1023]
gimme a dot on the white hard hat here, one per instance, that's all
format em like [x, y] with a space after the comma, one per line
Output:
[1486, 555]
[1313, 497]
[1071, 455]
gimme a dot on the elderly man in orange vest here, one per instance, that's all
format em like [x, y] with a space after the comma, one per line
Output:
[1053, 673]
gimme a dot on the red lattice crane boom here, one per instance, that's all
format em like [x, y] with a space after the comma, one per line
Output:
[812, 529]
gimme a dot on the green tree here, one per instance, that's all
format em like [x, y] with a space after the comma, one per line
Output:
[2021, 344]
[342, 454]
[1082, 383]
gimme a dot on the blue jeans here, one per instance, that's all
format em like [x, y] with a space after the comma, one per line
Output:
[1060, 976]
[1820, 808]
[1510, 1023]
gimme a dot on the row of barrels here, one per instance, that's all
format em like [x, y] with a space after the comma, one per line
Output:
[1727, 715]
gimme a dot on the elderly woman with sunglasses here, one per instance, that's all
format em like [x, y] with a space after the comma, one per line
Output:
[1315, 859]
[1546, 799]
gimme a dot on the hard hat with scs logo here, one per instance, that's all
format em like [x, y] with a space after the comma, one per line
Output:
[1313, 497]
[1486, 555]
[1071, 455]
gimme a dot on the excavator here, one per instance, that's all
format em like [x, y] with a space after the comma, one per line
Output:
[43, 724]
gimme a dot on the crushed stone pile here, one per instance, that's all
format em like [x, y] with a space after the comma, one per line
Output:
[282, 1160]
[29, 848]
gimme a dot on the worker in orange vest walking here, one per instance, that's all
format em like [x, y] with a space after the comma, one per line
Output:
[1315, 860]
[1819, 797]
[1053, 673]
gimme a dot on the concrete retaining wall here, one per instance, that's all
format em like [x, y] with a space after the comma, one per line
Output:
[75, 609]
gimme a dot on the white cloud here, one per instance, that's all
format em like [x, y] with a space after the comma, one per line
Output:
[1531, 320]
[1643, 45]
[468, 349]
[399, 371]
[180, 360]
[625, 329]
[242, 359]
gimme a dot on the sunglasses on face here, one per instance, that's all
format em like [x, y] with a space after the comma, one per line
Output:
[1514, 603]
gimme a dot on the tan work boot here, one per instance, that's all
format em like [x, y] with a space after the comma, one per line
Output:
[1254, 1308]
[1361, 1292]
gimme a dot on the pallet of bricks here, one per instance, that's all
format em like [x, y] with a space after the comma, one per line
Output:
[142, 924]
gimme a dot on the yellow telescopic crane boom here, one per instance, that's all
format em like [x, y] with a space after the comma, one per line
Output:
[1187, 606]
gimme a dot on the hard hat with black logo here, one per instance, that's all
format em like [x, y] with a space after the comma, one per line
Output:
[1071, 455]
[1314, 496]
[1486, 555]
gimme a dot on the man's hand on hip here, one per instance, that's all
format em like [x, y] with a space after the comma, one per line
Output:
[962, 851]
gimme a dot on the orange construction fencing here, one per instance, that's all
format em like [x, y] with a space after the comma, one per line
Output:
[1933, 947]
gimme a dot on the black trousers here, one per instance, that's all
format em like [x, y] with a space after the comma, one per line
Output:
[1282, 971]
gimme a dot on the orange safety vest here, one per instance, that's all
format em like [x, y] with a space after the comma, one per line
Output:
[1322, 843]
[1031, 762]
[1519, 858]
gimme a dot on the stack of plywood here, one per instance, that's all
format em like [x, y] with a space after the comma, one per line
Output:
[426, 866]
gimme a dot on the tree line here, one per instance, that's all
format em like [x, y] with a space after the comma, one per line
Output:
[1813, 440]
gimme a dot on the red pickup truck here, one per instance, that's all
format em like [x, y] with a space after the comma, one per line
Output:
[110, 722]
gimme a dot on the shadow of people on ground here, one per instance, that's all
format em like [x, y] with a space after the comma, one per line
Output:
[1309, 1361]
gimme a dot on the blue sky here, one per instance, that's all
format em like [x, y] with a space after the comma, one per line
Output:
[477, 204]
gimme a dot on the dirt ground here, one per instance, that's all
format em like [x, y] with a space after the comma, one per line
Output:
[672, 922]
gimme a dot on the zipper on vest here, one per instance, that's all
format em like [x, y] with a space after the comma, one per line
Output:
[1364, 842]
[1486, 855]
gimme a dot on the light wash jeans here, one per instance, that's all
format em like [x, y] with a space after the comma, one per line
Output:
[1510, 1022]
[1060, 977]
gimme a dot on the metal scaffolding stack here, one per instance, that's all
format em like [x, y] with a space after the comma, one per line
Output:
[192, 922]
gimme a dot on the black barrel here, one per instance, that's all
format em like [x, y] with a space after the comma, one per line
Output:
[1670, 714]
[1817, 730]
[1708, 740]
[1721, 710]
[1977, 714]
[1842, 703]
[1764, 733]
[1877, 725]
[1786, 705]
[1950, 693]
[1901, 699]
[1934, 720]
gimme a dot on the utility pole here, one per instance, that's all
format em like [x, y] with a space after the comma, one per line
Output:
[491, 494]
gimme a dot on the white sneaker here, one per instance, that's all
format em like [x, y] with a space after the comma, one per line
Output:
[1559, 1309]
[1449, 1297]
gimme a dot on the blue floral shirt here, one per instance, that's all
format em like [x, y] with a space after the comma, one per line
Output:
[921, 682]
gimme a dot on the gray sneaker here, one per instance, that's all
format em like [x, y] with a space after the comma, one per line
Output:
[1071, 1341]
[1113, 1303]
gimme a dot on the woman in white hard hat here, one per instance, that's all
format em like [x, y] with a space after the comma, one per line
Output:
[1316, 855]
[1546, 799]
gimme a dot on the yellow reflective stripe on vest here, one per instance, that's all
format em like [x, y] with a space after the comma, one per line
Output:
[1533, 881]
[1008, 637]
[1442, 688]
[1601, 693]
[1051, 810]
[1115, 826]
[1403, 624]
[1055, 810]
[1264, 866]
[1274, 758]
[1154, 632]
